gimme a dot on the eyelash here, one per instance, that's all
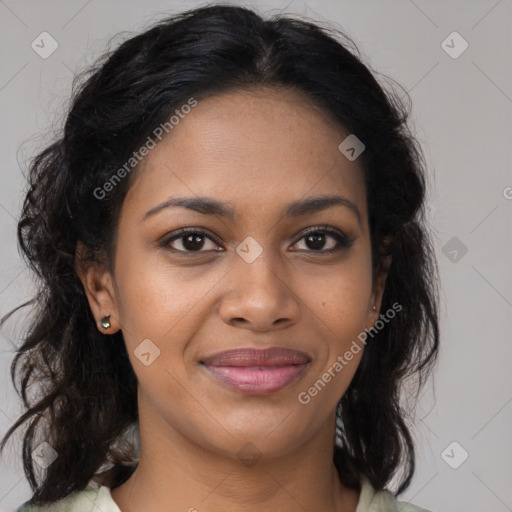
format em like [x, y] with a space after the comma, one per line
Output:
[343, 242]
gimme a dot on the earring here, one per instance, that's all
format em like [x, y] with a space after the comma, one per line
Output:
[374, 307]
[105, 322]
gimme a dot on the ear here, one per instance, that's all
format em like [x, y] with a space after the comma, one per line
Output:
[99, 289]
[379, 284]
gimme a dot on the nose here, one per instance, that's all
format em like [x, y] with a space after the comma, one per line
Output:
[259, 297]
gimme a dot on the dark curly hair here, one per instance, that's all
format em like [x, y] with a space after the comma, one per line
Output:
[86, 398]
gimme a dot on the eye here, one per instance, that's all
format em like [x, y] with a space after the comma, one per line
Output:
[317, 238]
[189, 240]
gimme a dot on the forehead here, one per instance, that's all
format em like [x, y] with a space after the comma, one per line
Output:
[250, 148]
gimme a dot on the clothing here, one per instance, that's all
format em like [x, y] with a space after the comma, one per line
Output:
[93, 500]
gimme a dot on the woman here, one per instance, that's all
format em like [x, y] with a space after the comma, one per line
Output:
[236, 278]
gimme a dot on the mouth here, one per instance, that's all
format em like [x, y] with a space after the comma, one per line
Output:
[256, 371]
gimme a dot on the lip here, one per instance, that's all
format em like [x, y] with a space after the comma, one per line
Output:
[257, 371]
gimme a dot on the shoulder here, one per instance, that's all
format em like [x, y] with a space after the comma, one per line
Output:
[88, 500]
[382, 501]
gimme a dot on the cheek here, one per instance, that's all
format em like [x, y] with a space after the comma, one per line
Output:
[153, 296]
[342, 311]
[341, 298]
[342, 317]
[158, 311]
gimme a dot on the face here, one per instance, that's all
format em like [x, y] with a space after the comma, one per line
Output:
[260, 267]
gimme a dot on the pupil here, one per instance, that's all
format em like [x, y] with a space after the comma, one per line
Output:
[190, 240]
[318, 241]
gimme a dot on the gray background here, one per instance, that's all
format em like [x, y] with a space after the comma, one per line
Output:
[462, 115]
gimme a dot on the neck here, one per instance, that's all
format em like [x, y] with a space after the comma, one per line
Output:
[175, 473]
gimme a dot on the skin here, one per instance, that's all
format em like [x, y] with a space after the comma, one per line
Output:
[256, 150]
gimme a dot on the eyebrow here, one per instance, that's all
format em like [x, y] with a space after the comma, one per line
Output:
[210, 206]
